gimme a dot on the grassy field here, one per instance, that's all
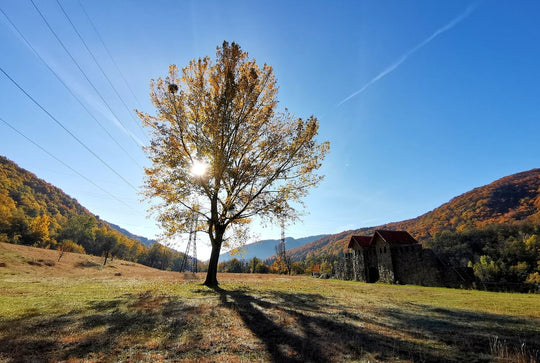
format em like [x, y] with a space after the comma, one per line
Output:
[77, 310]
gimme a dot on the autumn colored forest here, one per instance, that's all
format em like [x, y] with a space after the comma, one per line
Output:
[36, 213]
[494, 229]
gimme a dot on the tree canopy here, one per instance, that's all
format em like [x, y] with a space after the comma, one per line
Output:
[222, 151]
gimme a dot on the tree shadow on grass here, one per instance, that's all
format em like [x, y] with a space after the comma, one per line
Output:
[293, 327]
[472, 334]
[22, 341]
[105, 332]
[298, 328]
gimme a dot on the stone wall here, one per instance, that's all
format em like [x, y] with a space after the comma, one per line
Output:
[352, 267]
[418, 266]
[448, 275]
[347, 271]
[384, 261]
[359, 266]
[400, 263]
[409, 264]
[339, 267]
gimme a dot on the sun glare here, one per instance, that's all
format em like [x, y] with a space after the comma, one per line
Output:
[198, 168]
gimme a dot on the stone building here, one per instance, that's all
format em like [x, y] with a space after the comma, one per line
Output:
[396, 257]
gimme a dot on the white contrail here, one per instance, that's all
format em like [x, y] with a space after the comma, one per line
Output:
[413, 50]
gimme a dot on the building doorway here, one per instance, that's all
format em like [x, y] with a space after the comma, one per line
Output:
[373, 274]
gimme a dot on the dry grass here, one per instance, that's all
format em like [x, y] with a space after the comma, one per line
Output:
[501, 352]
[78, 310]
[17, 257]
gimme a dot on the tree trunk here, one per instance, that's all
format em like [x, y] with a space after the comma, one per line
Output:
[211, 275]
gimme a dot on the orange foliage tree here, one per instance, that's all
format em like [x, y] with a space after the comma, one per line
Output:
[221, 151]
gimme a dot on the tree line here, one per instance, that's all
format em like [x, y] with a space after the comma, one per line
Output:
[498, 253]
[317, 265]
[87, 234]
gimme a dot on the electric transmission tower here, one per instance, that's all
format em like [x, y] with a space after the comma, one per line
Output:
[191, 242]
[281, 250]
[282, 243]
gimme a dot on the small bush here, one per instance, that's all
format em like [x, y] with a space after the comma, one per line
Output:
[41, 262]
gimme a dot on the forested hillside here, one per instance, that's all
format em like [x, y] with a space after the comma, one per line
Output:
[36, 213]
[495, 229]
[508, 200]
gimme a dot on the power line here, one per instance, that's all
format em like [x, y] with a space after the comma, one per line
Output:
[65, 164]
[97, 63]
[67, 87]
[84, 74]
[67, 130]
[109, 53]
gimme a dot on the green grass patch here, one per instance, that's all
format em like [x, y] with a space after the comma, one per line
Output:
[79, 310]
[259, 318]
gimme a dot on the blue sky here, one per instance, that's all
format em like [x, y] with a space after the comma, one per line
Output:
[445, 95]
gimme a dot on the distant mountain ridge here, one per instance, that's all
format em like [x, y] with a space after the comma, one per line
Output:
[266, 248]
[510, 199]
[143, 240]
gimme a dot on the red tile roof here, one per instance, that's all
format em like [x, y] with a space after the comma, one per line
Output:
[396, 237]
[391, 237]
[359, 241]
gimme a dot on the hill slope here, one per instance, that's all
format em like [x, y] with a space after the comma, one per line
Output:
[24, 261]
[34, 212]
[512, 198]
[22, 190]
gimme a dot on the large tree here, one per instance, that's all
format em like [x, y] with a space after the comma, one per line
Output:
[222, 153]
